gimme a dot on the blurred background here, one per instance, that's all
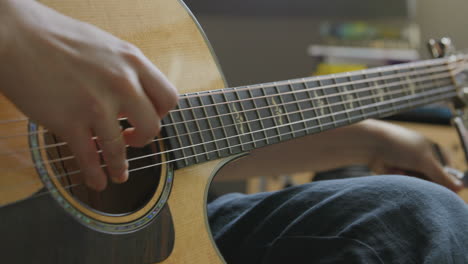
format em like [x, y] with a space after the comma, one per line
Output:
[259, 41]
[269, 40]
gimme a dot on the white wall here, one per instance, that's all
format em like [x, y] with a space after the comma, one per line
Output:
[262, 49]
[439, 18]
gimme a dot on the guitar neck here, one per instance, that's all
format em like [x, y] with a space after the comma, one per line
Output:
[221, 123]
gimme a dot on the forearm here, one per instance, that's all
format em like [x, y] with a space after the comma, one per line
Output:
[350, 145]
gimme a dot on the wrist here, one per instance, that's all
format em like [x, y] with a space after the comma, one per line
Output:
[376, 139]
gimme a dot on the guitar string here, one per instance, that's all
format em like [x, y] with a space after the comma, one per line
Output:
[440, 90]
[341, 103]
[191, 146]
[233, 90]
[421, 102]
[323, 88]
[329, 96]
[447, 62]
[293, 102]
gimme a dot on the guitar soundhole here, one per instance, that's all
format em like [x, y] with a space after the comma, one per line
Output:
[117, 199]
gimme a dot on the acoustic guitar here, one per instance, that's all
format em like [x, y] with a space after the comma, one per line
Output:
[48, 216]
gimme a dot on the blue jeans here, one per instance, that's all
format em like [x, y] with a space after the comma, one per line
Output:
[378, 219]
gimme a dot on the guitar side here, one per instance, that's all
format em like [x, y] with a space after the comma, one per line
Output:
[169, 36]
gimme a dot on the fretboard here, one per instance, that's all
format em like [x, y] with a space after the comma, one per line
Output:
[214, 124]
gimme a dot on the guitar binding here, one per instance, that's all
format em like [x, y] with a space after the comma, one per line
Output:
[103, 219]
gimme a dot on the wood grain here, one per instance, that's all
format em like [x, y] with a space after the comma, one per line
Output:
[18, 178]
[40, 231]
[168, 35]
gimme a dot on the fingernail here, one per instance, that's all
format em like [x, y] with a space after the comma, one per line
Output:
[121, 178]
[124, 176]
[459, 183]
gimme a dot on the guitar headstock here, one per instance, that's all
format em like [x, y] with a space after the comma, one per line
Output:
[458, 62]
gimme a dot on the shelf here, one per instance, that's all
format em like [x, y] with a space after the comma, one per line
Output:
[363, 53]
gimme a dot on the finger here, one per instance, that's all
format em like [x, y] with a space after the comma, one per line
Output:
[113, 148]
[434, 171]
[84, 149]
[145, 121]
[158, 88]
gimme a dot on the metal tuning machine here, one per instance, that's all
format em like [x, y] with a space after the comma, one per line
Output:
[441, 48]
[445, 48]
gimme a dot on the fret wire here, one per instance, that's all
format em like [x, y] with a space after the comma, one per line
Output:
[233, 120]
[299, 107]
[413, 84]
[451, 70]
[433, 93]
[246, 116]
[380, 89]
[218, 114]
[208, 121]
[421, 83]
[356, 92]
[332, 86]
[191, 135]
[178, 137]
[196, 120]
[377, 93]
[406, 85]
[314, 105]
[446, 96]
[258, 115]
[405, 91]
[399, 88]
[284, 109]
[271, 111]
[437, 81]
[340, 91]
[387, 88]
[443, 90]
[327, 101]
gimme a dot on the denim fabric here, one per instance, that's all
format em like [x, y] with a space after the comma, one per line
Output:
[378, 219]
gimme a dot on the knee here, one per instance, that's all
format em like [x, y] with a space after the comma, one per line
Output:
[410, 190]
[411, 198]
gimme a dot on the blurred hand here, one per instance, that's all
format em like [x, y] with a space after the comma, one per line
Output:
[76, 80]
[402, 151]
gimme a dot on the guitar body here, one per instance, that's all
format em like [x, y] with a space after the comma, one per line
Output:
[43, 224]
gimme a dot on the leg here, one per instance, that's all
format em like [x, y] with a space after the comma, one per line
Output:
[391, 219]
